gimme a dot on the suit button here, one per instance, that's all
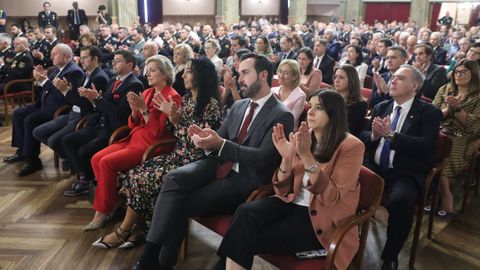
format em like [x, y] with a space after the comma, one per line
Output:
[319, 231]
[313, 212]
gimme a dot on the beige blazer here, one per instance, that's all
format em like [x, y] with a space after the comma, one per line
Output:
[330, 204]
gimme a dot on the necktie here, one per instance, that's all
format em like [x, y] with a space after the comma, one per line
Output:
[317, 62]
[77, 19]
[226, 167]
[385, 154]
[117, 82]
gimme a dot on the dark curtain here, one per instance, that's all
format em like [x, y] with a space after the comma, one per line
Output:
[284, 11]
[386, 11]
[155, 11]
[435, 7]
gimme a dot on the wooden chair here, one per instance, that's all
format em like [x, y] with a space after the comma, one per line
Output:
[60, 111]
[443, 150]
[366, 94]
[370, 196]
[19, 97]
[470, 176]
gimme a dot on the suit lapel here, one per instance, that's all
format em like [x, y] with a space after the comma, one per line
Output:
[410, 116]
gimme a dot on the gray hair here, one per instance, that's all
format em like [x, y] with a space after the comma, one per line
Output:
[5, 38]
[65, 49]
[214, 43]
[165, 66]
[23, 40]
[417, 76]
[401, 50]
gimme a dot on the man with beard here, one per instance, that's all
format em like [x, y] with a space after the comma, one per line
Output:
[241, 155]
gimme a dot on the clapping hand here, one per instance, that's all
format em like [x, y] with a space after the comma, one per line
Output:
[205, 138]
[169, 107]
[303, 141]
[61, 84]
[380, 83]
[453, 102]
[136, 102]
[286, 148]
[39, 73]
[90, 94]
[381, 127]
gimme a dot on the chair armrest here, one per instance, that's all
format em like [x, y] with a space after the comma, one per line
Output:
[81, 124]
[342, 230]
[119, 133]
[261, 192]
[12, 82]
[62, 110]
[152, 149]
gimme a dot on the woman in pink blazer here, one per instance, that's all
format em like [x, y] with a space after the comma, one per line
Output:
[147, 124]
[316, 188]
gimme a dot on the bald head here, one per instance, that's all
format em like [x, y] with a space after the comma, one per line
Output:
[150, 49]
[61, 55]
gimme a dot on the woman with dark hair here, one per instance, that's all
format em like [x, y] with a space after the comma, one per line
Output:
[143, 183]
[316, 185]
[310, 77]
[345, 82]
[262, 46]
[459, 101]
[355, 58]
[297, 42]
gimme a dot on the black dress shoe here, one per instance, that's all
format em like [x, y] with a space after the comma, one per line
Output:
[78, 188]
[390, 265]
[30, 168]
[14, 158]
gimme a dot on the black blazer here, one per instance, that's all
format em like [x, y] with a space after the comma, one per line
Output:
[257, 156]
[440, 56]
[356, 113]
[81, 16]
[326, 66]
[416, 143]
[113, 109]
[435, 78]
[98, 78]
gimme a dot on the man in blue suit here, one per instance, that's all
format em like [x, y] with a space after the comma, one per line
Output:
[52, 97]
[401, 140]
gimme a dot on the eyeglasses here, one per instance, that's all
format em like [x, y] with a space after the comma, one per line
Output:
[461, 73]
[117, 61]
[83, 58]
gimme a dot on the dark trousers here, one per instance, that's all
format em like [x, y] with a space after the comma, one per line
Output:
[80, 146]
[402, 194]
[192, 191]
[24, 121]
[267, 226]
[52, 132]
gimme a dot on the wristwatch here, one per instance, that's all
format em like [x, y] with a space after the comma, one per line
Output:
[389, 136]
[312, 168]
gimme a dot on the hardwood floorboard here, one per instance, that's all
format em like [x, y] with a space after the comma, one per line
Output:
[42, 229]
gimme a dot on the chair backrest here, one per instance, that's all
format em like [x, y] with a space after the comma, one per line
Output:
[368, 82]
[366, 93]
[371, 190]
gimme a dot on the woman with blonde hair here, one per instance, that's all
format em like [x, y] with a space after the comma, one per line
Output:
[182, 53]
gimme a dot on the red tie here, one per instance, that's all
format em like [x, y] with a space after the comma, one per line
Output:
[226, 167]
[117, 82]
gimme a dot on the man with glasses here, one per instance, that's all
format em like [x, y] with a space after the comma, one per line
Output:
[111, 110]
[52, 132]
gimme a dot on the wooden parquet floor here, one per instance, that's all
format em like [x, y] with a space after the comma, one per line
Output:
[42, 229]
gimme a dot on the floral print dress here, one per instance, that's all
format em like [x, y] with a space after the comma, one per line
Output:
[143, 183]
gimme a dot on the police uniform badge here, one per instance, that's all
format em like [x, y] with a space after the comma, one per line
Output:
[14, 64]
[8, 60]
[21, 65]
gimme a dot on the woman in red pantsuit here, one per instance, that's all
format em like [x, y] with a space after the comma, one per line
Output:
[147, 124]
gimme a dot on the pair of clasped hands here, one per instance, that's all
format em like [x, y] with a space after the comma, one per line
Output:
[298, 143]
[40, 75]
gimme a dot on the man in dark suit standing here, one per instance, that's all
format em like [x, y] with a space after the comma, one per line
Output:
[52, 132]
[401, 140]
[75, 18]
[53, 96]
[111, 110]
[241, 155]
[47, 17]
[323, 61]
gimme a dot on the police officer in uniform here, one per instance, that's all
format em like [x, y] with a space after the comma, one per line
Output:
[47, 17]
[6, 52]
[41, 56]
[107, 45]
[16, 66]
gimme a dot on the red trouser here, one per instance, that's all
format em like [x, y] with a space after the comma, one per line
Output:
[106, 165]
